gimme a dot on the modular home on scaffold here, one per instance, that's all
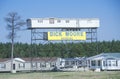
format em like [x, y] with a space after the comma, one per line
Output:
[105, 61]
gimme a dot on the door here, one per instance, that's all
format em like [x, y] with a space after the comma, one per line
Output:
[13, 66]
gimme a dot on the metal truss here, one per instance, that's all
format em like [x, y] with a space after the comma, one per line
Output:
[39, 36]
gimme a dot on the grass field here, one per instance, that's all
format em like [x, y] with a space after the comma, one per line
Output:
[63, 75]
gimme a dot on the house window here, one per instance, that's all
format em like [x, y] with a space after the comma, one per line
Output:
[67, 21]
[2, 66]
[58, 21]
[40, 21]
[61, 62]
[93, 63]
[72, 62]
[51, 20]
[66, 62]
[99, 63]
[42, 64]
[34, 65]
[109, 63]
[52, 64]
[80, 62]
[22, 65]
[114, 63]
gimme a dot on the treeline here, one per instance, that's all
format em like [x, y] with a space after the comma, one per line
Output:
[59, 49]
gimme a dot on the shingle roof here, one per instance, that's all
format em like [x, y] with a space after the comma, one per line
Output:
[45, 59]
[4, 59]
[116, 55]
[69, 59]
[106, 55]
[75, 59]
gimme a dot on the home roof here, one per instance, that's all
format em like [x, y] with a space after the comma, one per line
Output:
[106, 55]
[75, 59]
[69, 59]
[4, 59]
[45, 59]
[19, 59]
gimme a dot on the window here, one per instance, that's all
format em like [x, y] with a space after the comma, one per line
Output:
[52, 64]
[42, 64]
[51, 20]
[34, 65]
[66, 62]
[99, 63]
[61, 62]
[72, 62]
[2, 66]
[93, 63]
[67, 21]
[79, 62]
[109, 63]
[40, 21]
[114, 63]
[22, 65]
[58, 21]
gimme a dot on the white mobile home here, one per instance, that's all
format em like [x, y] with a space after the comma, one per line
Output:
[28, 64]
[105, 61]
[5, 64]
[41, 64]
[73, 64]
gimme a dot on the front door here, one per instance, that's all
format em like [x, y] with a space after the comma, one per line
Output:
[13, 66]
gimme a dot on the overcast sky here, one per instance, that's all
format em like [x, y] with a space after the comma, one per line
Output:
[108, 11]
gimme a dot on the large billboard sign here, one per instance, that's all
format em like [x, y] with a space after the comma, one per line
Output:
[66, 35]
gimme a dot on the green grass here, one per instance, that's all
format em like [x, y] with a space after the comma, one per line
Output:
[63, 75]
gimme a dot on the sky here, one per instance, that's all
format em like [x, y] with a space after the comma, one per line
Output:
[108, 11]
